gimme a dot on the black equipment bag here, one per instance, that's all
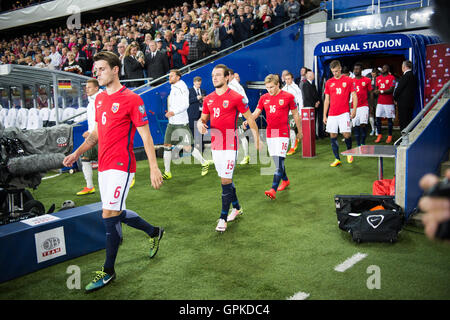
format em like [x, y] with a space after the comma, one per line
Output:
[355, 216]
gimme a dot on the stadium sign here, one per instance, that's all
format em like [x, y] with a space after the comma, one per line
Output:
[378, 23]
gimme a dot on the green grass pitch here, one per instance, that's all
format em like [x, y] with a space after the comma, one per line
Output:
[276, 249]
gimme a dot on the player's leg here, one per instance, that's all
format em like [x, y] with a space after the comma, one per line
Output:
[346, 130]
[167, 152]
[189, 146]
[243, 140]
[86, 167]
[332, 128]
[391, 117]
[379, 115]
[363, 120]
[357, 127]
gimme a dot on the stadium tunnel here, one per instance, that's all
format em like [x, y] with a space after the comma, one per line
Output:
[375, 50]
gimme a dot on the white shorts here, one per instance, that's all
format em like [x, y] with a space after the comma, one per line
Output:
[277, 146]
[362, 116]
[114, 186]
[224, 161]
[340, 123]
[385, 111]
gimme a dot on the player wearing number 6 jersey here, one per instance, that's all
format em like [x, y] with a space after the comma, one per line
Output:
[277, 104]
[337, 95]
[119, 113]
[222, 108]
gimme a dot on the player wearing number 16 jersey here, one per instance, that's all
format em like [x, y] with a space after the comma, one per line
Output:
[222, 108]
[337, 95]
[277, 104]
[119, 113]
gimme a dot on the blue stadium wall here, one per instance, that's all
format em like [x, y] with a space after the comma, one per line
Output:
[271, 54]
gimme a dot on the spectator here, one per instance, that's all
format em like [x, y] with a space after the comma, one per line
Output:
[278, 14]
[204, 47]
[55, 57]
[121, 47]
[156, 62]
[242, 25]
[80, 57]
[71, 65]
[292, 9]
[226, 32]
[213, 33]
[133, 66]
[48, 63]
[192, 39]
[40, 61]
[180, 50]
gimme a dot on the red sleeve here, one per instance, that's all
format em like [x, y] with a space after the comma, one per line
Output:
[260, 103]
[392, 82]
[205, 108]
[240, 105]
[137, 112]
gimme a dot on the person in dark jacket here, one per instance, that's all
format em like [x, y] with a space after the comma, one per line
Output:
[404, 95]
[156, 63]
[196, 95]
[133, 66]
[203, 46]
[226, 33]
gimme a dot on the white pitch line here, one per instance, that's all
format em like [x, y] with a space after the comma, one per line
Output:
[350, 262]
[53, 176]
[299, 296]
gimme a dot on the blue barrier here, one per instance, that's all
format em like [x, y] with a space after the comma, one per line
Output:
[40, 242]
[425, 155]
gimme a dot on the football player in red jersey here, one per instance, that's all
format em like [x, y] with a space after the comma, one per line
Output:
[222, 108]
[277, 103]
[363, 88]
[385, 108]
[119, 113]
[338, 90]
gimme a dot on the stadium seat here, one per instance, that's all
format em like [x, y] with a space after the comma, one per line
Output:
[44, 114]
[3, 114]
[81, 111]
[68, 112]
[22, 118]
[34, 120]
[53, 114]
[10, 120]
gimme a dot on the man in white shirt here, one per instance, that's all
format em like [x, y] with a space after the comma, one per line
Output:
[292, 88]
[178, 135]
[92, 90]
[56, 58]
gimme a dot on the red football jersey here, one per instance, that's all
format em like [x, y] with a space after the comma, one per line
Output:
[223, 111]
[339, 91]
[277, 112]
[385, 83]
[117, 117]
[363, 86]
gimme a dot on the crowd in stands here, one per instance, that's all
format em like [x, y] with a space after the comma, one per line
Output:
[151, 43]
[16, 4]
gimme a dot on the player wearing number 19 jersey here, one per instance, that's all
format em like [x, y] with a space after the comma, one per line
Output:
[337, 95]
[277, 104]
[222, 108]
[119, 113]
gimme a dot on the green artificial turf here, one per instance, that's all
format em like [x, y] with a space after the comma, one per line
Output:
[276, 249]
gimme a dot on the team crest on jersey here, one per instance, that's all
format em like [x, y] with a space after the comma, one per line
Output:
[115, 107]
[387, 81]
[344, 84]
[225, 103]
[281, 102]
[142, 109]
[364, 84]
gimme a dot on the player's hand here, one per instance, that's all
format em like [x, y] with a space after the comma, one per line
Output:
[202, 127]
[85, 134]
[300, 135]
[245, 124]
[70, 160]
[169, 114]
[156, 178]
[325, 119]
[353, 114]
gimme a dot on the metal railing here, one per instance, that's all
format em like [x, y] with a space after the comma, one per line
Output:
[421, 114]
[378, 7]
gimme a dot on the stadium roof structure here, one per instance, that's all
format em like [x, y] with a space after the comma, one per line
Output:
[18, 75]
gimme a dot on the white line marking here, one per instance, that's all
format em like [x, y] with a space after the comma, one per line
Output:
[350, 262]
[53, 176]
[299, 296]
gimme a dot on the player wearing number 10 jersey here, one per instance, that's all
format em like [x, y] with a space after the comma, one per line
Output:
[222, 108]
[277, 104]
[119, 113]
[337, 95]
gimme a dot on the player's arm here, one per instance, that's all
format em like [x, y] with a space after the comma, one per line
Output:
[202, 127]
[251, 122]
[355, 104]
[155, 175]
[88, 143]
[326, 105]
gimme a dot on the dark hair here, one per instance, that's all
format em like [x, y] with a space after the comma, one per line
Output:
[226, 72]
[110, 57]
[407, 64]
[358, 64]
[334, 64]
